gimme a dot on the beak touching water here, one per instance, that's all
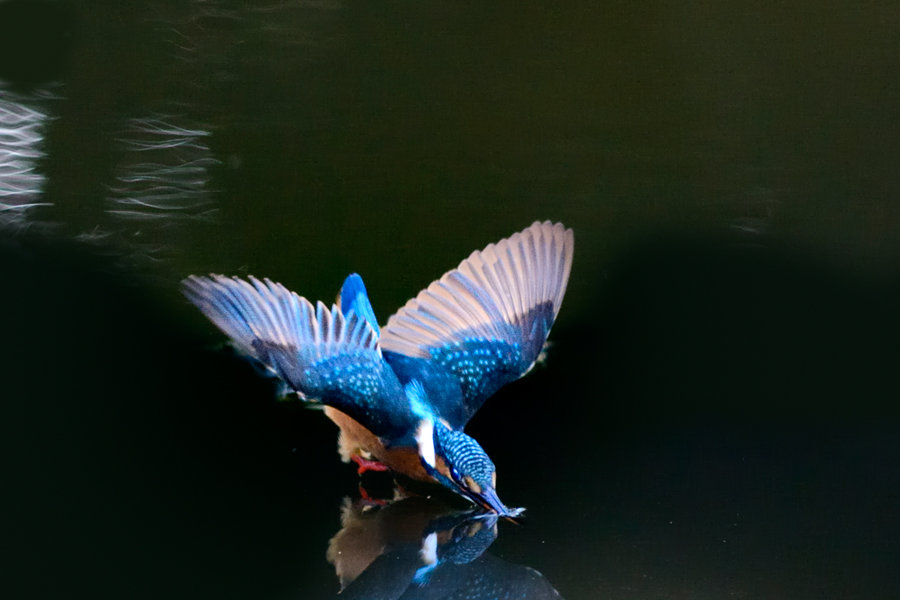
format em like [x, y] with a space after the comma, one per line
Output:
[489, 500]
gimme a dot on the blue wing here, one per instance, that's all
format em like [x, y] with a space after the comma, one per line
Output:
[324, 354]
[486, 321]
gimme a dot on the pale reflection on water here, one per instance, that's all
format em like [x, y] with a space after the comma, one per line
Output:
[157, 181]
[24, 117]
[161, 181]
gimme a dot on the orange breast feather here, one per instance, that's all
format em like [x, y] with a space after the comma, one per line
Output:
[355, 438]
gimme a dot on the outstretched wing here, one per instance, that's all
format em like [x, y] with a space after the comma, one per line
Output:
[322, 353]
[487, 320]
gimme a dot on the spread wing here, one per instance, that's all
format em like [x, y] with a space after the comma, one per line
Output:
[322, 353]
[487, 320]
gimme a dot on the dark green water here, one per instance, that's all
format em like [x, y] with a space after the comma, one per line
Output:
[717, 417]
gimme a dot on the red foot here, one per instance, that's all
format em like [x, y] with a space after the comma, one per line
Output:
[365, 497]
[367, 465]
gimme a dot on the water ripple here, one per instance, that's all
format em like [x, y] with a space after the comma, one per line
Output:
[23, 119]
[164, 173]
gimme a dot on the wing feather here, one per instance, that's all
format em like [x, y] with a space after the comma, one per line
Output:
[499, 302]
[320, 352]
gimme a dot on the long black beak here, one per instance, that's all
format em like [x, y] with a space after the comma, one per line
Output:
[489, 499]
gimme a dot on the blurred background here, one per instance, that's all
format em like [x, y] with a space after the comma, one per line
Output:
[717, 416]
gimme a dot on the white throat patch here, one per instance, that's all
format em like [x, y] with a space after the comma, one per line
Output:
[428, 551]
[425, 440]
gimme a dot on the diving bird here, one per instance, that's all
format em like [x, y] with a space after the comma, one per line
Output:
[403, 393]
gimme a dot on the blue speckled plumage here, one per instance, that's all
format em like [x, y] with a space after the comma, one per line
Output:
[415, 383]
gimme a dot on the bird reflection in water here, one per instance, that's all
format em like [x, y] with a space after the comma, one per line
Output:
[421, 548]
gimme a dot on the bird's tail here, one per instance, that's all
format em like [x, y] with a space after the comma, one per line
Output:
[353, 297]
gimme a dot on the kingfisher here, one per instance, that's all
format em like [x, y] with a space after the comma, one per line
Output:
[401, 394]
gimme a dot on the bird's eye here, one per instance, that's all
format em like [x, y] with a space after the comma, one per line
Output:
[454, 472]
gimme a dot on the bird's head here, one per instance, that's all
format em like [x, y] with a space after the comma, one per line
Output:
[459, 463]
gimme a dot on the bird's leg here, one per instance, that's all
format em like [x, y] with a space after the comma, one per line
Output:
[367, 465]
[369, 499]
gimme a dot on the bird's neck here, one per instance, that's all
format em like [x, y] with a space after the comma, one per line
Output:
[425, 442]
